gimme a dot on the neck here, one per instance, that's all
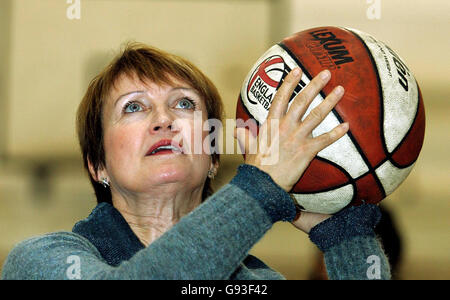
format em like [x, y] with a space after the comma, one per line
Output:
[150, 216]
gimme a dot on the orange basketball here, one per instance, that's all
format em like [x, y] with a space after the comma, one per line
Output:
[382, 103]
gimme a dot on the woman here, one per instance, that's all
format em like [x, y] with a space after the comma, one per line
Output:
[136, 126]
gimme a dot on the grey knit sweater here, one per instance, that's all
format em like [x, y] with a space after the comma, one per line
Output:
[211, 242]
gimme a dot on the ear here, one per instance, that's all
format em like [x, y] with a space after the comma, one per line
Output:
[96, 174]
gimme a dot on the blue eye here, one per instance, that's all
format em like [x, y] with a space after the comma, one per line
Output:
[132, 107]
[185, 103]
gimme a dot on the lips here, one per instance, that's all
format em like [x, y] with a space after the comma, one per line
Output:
[164, 147]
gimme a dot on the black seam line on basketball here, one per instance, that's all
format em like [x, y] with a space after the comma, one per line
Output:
[330, 189]
[393, 163]
[277, 69]
[336, 114]
[247, 112]
[347, 175]
[376, 167]
[401, 166]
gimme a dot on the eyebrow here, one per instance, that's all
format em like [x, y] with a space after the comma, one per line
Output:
[143, 92]
[127, 94]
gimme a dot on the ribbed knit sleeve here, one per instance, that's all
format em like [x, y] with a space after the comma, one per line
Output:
[348, 241]
[272, 198]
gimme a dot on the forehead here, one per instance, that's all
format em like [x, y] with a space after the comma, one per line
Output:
[127, 83]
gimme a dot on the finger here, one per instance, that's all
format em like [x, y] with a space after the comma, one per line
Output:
[316, 116]
[281, 100]
[302, 101]
[324, 140]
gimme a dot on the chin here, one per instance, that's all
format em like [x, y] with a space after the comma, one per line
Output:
[168, 174]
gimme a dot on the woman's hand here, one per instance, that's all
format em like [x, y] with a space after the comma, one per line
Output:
[308, 220]
[285, 146]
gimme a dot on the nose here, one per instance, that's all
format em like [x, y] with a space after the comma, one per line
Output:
[162, 121]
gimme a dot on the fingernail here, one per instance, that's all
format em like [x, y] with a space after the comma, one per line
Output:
[339, 90]
[296, 72]
[325, 74]
[345, 125]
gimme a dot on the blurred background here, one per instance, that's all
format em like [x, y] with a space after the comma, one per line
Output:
[51, 49]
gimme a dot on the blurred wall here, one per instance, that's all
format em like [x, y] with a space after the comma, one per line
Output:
[5, 21]
[47, 59]
[54, 57]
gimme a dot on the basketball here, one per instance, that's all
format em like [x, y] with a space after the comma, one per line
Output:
[382, 104]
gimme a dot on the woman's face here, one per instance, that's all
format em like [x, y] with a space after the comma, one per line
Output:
[140, 122]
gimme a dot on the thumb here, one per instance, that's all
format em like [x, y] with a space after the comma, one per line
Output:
[308, 220]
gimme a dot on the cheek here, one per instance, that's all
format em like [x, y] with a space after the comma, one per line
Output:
[121, 144]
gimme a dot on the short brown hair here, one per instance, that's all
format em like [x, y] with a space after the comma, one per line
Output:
[147, 63]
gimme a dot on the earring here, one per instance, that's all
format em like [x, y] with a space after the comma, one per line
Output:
[211, 174]
[105, 182]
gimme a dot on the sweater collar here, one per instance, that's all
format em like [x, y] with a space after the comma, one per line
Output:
[108, 231]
